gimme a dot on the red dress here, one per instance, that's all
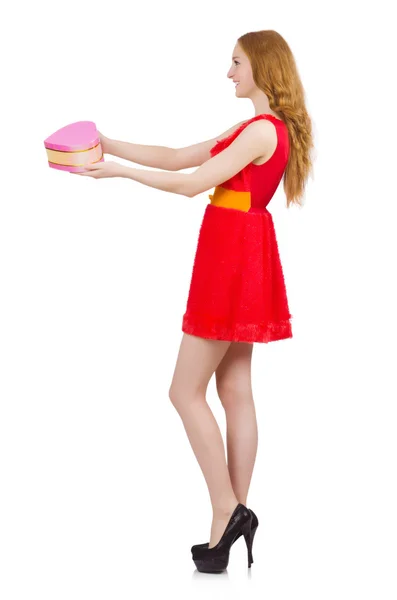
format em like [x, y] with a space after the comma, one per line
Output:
[237, 289]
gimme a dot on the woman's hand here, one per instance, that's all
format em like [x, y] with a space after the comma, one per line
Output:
[103, 169]
[105, 143]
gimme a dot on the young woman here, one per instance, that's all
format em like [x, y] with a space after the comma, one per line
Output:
[237, 292]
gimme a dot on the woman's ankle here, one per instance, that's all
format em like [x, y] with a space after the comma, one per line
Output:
[224, 510]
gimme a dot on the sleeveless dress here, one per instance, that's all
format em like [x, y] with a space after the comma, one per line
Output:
[237, 288]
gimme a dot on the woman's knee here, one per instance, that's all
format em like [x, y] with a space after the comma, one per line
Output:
[233, 393]
[197, 360]
[233, 376]
[180, 396]
[176, 394]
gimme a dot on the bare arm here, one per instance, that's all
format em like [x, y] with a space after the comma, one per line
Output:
[159, 157]
[252, 142]
[162, 157]
[198, 154]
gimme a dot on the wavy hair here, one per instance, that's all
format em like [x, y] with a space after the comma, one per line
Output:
[275, 73]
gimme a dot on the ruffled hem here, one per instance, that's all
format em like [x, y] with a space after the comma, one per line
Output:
[237, 332]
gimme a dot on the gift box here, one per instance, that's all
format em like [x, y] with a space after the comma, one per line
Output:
[74, 146]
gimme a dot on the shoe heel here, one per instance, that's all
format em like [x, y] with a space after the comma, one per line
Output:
[248, 540]
[253, 532]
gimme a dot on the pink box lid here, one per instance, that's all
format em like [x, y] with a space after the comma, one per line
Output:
[74, 137]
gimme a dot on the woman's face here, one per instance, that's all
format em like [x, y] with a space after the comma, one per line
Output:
[241, 73]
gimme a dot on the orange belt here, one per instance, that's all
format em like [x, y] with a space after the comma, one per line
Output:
[231, 199]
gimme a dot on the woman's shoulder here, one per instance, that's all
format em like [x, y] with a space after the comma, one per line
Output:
[222, 143]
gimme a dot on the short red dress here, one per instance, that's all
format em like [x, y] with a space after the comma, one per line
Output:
[237, 288]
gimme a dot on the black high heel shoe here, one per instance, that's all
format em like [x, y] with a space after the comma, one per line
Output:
[216, 559]
[254, 527]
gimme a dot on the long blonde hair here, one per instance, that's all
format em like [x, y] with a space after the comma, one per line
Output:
[275, 72]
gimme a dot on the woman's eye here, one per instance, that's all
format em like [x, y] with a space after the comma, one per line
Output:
[237, 63]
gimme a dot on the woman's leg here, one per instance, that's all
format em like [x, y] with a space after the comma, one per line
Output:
[233, 382]
[197, 361]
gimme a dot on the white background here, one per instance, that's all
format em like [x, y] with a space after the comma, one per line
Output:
[101, 495]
